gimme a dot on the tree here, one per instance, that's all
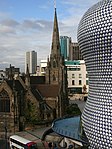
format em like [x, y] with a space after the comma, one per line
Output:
[84, 89]
[73, 109]
[31, 114]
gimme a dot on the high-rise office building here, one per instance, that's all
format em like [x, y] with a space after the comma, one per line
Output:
[70, 50]
[65, 42]
[31, 61]
[75, 53]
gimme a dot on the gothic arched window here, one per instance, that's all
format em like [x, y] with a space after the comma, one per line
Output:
[4, 101]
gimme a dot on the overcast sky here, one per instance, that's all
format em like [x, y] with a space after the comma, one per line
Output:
[27, 25]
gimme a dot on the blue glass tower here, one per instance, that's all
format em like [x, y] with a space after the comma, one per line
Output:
[65, 46]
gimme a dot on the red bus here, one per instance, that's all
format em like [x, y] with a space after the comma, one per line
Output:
[17, 142]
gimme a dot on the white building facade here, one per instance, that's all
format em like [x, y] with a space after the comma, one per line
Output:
[31, 61]
[41, 69]
[43, 65]
[77, 77]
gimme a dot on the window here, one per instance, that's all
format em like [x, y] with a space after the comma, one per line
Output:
[73, 75]
[80, 76]
[86, 75]
[80, 82]
[86, 82]
[73, 82]
[4, 102]
[73, 69]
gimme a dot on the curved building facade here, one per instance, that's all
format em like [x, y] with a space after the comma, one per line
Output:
[95, 41]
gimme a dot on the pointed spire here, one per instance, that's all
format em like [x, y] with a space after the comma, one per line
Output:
[27, 79]
[55, 37]
[27, 71]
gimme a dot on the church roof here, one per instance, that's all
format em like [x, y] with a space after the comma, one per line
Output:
[48, 90]
[36, 93]
[35, 79]
[16, 85]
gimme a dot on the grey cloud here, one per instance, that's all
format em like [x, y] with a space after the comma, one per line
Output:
[8, 26]
[11, 55]
[30, 34]
[36, 24]
[4, 65]
[13, 47]
[9, 22]
[31, 24]
[6, 30]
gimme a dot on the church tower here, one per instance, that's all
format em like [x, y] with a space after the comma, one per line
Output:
[56, 73]
[55, 65]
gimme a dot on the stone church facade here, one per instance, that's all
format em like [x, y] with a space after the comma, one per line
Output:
[35, 98]
[20, 104]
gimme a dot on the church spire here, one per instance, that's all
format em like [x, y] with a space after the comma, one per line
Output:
[27, 78]
[27, 71]
[55, 50]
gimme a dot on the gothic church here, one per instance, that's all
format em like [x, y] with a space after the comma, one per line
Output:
[35, 97]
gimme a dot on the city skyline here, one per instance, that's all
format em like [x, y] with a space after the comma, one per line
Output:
[28, 25]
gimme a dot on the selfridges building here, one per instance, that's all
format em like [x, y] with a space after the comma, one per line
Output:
[95, 41]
